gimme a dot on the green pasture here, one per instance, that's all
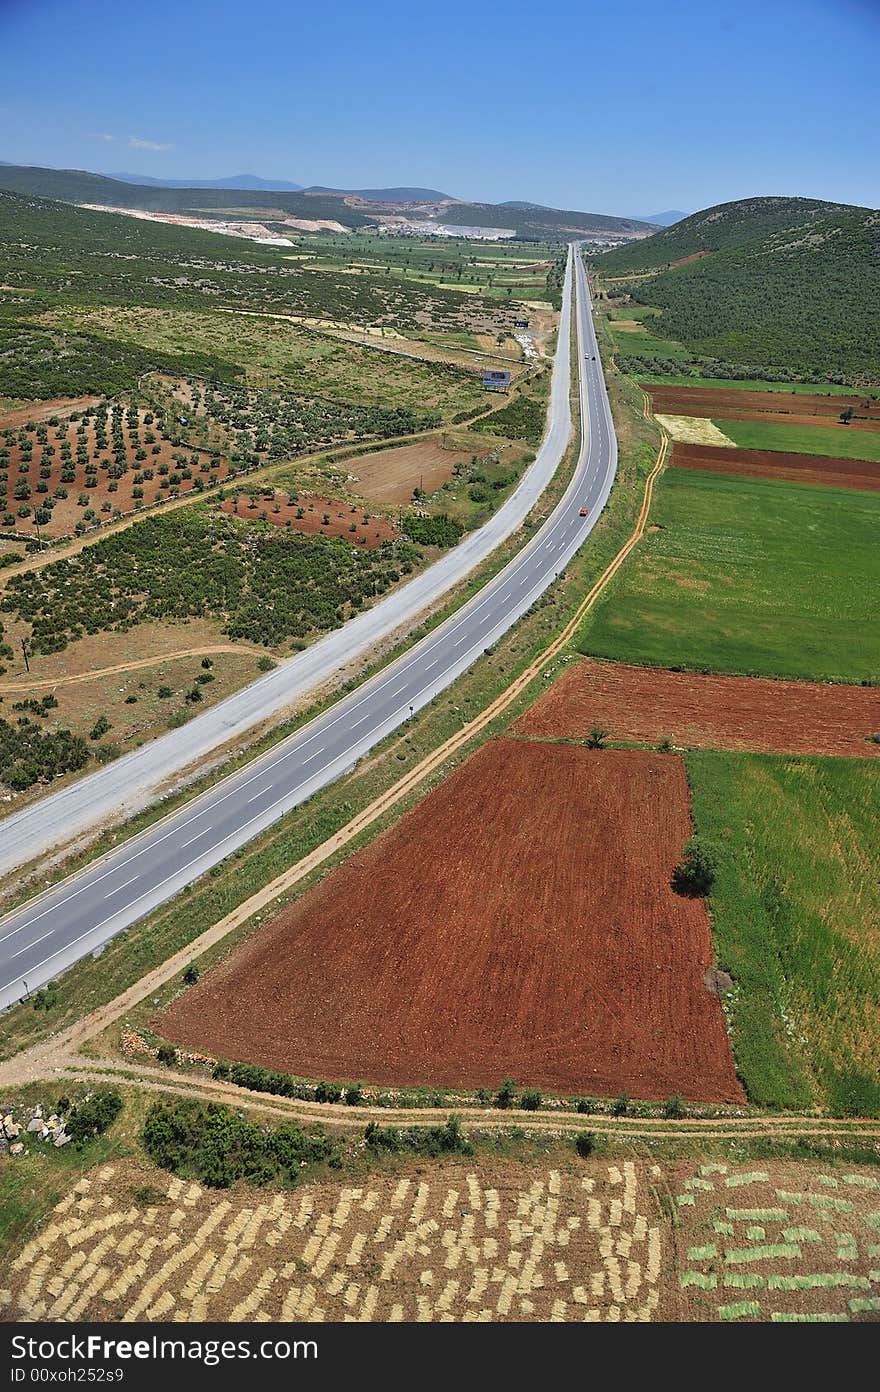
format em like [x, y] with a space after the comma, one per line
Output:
[838, 441]
[751, 576]
[795, 912]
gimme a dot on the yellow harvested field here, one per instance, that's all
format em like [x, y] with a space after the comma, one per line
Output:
[446, 1242]
[481, 1239]
[693, 430]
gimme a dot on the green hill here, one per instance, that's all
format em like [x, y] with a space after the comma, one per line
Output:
[351, 210]
[789, 282]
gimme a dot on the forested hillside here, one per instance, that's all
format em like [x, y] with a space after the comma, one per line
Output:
[788, 282]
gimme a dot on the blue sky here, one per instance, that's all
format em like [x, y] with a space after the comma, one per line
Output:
[617, 108]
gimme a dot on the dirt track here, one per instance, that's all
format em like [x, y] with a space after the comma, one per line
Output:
[647, 705]
[793, 468]
[552, 951]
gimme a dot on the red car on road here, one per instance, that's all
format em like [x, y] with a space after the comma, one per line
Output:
[584, 512]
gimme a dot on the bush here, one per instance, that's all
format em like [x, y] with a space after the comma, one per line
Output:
[695, 876]
[621, 1106]
[504, 1097]
[191, 975]
[597, 738]
[585, 1143]
[93, 1115]
[210, 1143]
[531, 1101]
[674, 1106]
[166, 1053]
[421, 1140]
[328, 1092]
[354, 1095]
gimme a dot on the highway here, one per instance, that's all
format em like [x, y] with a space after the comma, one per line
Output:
[80, 914]
[113, 793]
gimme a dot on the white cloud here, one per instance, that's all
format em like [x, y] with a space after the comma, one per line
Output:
[102, 135]
[135, 144]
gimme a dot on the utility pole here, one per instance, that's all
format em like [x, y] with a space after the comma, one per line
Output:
[24, 653]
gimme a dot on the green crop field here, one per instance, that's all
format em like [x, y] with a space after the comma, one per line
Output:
[796, 921]
[751, 576]
[838, 441]
[645, 344]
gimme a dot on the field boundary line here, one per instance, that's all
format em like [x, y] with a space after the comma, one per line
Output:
[107, 1014]
[755, 1126]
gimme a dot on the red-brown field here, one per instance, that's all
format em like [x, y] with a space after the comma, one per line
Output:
[43, 410]
[390, 475]
[71, 475]
[310, 514]
[518, 922]
[739, 404]
[646, 705]
[777, 464]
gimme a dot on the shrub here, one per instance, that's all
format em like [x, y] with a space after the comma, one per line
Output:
[585, 1143]
[422, 1140]
[531, 1101]
[166, 1053]
[265, 664]
[210, 1143]
[695, 875]
[674, 1106]
[328, 1092]
[93, 1115]
[504, 1097]
[621, 1106]
[354, 1095]
[191, 975]
[597, 738]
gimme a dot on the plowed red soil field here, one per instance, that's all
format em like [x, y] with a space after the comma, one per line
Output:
[742, 404]
[518, 922]
[794, 468]
[647, 705]
[351, 523]
[390, 475]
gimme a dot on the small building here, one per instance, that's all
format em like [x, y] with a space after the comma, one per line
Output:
[494, 380]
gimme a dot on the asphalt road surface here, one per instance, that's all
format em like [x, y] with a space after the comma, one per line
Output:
[79, 915]
[113, 793]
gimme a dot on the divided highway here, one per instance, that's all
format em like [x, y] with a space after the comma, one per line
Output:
[79, 915]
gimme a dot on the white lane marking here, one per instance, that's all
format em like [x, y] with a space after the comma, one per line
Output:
[195, 838]
[256, 797]
[29, 945]
[119, 888]
[491, 596]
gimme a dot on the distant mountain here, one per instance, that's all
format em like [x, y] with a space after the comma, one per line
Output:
[530, 223]
[785, 282]
[387, 195]
[662, 219]
[234, 181]
[520, 203]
